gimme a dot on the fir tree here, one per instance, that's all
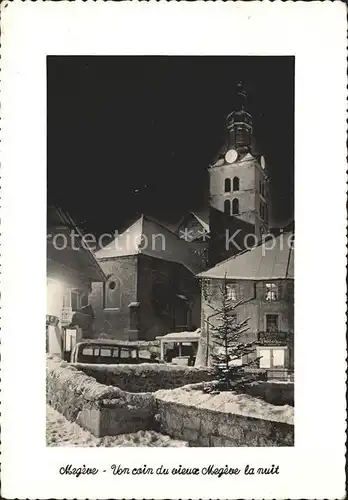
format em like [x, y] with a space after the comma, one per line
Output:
[228, 346]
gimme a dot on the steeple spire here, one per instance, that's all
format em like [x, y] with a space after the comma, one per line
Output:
[239, 123]
[241, 96]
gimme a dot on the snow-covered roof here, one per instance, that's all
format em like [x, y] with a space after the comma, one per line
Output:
[272, 259]
[180, 337]
[77, 256]
[148, 237]
[200, 217]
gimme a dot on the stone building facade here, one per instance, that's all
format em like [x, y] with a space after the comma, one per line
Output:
[260, 288]
[71, 268]
[151, 288]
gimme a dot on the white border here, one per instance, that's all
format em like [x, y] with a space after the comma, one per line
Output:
[315, 33]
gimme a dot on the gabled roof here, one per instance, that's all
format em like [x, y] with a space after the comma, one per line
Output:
[199, 217]
[203, 219]
[148, 237]
[78, 258]
[272, 259]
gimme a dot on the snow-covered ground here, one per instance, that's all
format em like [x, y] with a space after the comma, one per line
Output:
[229, 402]
[61, 432]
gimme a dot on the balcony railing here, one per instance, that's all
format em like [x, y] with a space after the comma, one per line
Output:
[273, 338]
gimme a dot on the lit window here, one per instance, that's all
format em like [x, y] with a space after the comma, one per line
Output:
[227, 185]
[235, 206]
[271, 292]
[235, 184]
[227, 207]
[278, 358]
[272, 358]
[88, 351]
[105, 352]
[272, 323]
[231, 292]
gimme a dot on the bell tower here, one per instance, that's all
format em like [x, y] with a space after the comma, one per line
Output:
[238, 181]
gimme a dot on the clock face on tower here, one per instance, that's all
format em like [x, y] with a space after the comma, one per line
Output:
[231, 156]
[263, 162]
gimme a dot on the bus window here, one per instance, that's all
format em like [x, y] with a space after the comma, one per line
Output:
[87, 351]
[105, 352]
[125, 353]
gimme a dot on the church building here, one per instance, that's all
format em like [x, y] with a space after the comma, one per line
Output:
[151, 287]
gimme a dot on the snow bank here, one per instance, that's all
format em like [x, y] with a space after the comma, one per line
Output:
[61, 432]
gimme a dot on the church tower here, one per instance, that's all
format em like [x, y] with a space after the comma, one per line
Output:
[238, 176]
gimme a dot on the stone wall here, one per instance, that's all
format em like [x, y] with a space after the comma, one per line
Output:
[103, 410]
[223, 420]
[185, 413]
[276, 393]
[146, 377]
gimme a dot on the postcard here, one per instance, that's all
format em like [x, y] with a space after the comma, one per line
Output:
[155, 157]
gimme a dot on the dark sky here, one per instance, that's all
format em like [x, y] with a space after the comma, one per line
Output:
[136, 134]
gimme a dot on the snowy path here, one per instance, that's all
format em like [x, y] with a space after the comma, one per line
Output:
[61, 432]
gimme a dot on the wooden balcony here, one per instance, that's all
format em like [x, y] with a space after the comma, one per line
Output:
[273, 338]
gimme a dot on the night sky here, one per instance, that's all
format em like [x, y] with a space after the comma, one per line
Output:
[127, 135]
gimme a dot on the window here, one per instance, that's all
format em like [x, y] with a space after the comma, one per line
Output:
[67, 299]
[227, 185]
[265, 358]
[272, 358]
[278, 357]
[89, 351]
[231, 290]
[105, 352]
[235, 206]
[271, 292]
[75, 302]
[83, 299]
[236, 184]
[113, 293]
[75, 299]
[272, 325]
[227, 207]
